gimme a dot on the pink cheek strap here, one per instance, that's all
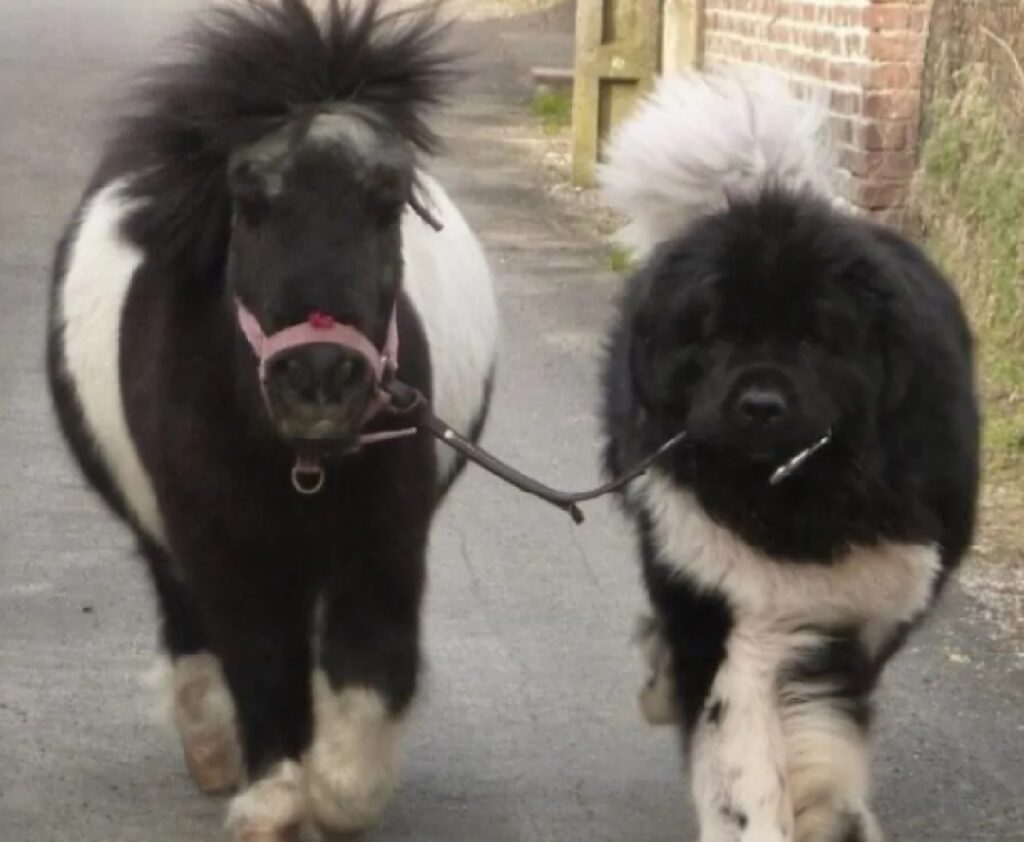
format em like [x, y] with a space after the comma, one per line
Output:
[323, 329]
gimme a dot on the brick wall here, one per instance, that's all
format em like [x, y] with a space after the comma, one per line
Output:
[865, 56]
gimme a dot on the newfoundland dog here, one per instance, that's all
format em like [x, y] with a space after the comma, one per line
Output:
[821, 367]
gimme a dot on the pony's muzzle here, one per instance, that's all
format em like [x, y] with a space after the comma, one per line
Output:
[319, 392]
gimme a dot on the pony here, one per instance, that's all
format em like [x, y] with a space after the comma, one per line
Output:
[259, 240]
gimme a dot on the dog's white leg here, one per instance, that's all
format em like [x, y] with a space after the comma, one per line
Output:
[827, 768]
[738, 755]
[658, 701]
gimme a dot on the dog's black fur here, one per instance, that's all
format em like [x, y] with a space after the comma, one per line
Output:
[247, 559]
[866, 332]
[860, 334]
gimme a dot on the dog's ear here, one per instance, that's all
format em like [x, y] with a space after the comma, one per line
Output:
[894, 334]
[898, 363]
[641, 361]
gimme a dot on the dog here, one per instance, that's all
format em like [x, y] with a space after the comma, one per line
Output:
[821, 368]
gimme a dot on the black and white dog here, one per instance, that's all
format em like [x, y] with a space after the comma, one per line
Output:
[822, 368]
[257, 245]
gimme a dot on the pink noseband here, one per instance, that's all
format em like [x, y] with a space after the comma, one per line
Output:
[321, 328]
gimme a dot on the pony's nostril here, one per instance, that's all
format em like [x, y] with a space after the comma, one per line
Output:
[298, 378]
[318, 375]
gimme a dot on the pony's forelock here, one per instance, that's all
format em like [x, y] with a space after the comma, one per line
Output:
[249, 67]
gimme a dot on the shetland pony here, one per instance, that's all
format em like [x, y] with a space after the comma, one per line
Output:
[253, 251]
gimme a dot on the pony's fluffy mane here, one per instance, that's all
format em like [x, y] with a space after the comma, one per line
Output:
[247, 69]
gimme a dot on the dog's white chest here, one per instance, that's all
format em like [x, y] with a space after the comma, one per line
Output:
[882, 585]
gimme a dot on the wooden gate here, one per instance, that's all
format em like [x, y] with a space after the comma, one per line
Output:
[620, 47]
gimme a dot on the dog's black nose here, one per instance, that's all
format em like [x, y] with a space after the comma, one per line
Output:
[760, 406]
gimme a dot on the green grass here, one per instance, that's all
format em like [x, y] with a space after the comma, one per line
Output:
[553, 109]
[969, 197]
[619, 260]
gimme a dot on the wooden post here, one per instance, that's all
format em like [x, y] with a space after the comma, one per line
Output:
[682, 40]
[617, 53]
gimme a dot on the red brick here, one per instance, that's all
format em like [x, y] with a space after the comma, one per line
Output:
[885, 17]
[891, 105]
[877, 195]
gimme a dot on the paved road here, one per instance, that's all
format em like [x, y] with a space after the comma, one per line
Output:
[528, 729]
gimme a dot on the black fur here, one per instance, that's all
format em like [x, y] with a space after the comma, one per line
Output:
[249, 69]
[250, 563]
[858, 333]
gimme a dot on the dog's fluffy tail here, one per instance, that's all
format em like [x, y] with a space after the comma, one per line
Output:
[702, 139]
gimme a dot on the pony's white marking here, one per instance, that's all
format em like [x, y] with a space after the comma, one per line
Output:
[352, 764]
[781, 752]
[449, 283]
[101, 265]
[204, 713]
[703, 138]
[271, 806]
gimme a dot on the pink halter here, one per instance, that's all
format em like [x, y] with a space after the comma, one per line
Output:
[322, 328]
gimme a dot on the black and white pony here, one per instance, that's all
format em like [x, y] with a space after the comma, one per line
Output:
[257, 239]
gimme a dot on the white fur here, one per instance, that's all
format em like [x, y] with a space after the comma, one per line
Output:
[877, 587]
[658, 695]
[449, 282]
[270, 807]
[204, 713]
[703, 138]
[101, 265]
[352, 764]
[202, 703]
[827, 766]
[737, 765]
[783, 756]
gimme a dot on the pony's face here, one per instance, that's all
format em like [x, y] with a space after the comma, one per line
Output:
[317, 217]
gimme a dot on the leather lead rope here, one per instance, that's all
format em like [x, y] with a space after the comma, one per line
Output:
[407, 400]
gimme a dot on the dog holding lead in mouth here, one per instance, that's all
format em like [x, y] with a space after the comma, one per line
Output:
[822, 369]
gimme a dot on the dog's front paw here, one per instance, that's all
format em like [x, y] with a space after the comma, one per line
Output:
[658, 695]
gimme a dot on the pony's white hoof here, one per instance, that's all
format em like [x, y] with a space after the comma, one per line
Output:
[214, 763]
[205, 715]
[272, 809]
[352, 764]
[287, 835]
[349, 799]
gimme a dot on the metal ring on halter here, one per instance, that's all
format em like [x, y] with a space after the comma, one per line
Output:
[318, 474]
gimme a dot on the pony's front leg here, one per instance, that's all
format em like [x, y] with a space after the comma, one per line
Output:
[363, 685]
[261, 633]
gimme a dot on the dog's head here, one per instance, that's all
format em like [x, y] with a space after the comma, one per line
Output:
[764, 329]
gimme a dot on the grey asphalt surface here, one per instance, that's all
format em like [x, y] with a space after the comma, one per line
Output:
[528, 728]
